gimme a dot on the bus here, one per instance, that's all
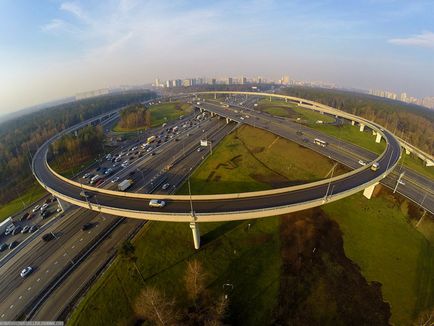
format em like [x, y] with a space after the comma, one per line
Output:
[150, 139]
[320, 142]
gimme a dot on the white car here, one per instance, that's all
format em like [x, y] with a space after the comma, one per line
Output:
[86, 175]
[157, 203]
[44, 207]
[165, 186]
[362, 162]
[115, 180]
[36, 208]
[26, 271]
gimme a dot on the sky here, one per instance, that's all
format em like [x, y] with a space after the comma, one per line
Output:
[51, 49]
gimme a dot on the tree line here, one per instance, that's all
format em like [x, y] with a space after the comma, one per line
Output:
[72, 150]
[21, 137]
[135, 116]
[413, 123]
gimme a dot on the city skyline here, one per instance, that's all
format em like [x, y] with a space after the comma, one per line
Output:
[55, 49]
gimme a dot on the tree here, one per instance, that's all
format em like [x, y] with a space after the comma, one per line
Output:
[153, 306]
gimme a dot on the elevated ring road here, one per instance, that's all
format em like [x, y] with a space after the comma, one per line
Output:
[212, 208]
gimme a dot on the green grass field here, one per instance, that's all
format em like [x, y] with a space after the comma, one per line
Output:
[160, 113]
[377, 236]
[380, 239]
[164, 112]
[291, 110]
[34, 193]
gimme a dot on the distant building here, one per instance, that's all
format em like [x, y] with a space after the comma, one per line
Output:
[213, 81]
[229, 81]
[243, 80]
[178, 82]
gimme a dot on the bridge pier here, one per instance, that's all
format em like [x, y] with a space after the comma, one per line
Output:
[369, 191]
[63, 204]
[362, 127]
[196, 234]
[286, 100]
[227, 120]
[378, 138]
[429, 162]
[353, 122]
[215, 96]
[407, 151]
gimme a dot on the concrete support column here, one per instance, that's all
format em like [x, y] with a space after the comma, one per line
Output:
[286, 100]
[270, 98]
[374, 132]
[63, 204]
[368, 191]
[378, 137]
[407, 151]
[301, 102]
[353, 123]
[215, 96]
[201, 110]
[429, 162]
[196, 234]
[227, 120]
[362, 127]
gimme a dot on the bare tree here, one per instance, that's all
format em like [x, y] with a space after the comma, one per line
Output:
[426, 318]
[195, 278]
[153, 306]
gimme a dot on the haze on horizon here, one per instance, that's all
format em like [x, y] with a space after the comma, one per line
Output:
[52, 49]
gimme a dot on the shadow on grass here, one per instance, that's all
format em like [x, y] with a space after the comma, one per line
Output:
[219, 231]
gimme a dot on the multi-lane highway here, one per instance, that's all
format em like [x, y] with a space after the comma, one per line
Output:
[414, 186]
[221, 207]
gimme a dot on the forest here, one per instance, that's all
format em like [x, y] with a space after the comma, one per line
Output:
[71, 150]
[135, 116]
[21, 137]
[413, 123]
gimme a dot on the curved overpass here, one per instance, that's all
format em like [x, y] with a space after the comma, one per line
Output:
[212, 208]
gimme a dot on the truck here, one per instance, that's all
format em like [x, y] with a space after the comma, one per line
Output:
[150, 139]
[124, 185]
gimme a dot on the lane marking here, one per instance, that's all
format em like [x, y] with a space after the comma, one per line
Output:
[64, 254]
[11, 306]
[73, 247]
[29, 288]
[20, 297]
[38, 280]
[47, 271]
[81, 239]
[55, 263]
[89, 232]
[2, 315]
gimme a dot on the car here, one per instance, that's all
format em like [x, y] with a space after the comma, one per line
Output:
[361, 162]
[24, 217]
[87, 175]
[17, 230]
[48, 237]
[3, 246]
[26, 271]
[45, 214]
[59, 209]
[13, 244]
[25, 229]
[85, 194]
[44, 207]
[200, 149]
[86, 226]
[33, 228]
[36, 208]
[115, 180]
[165, 186]
[157, 203]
